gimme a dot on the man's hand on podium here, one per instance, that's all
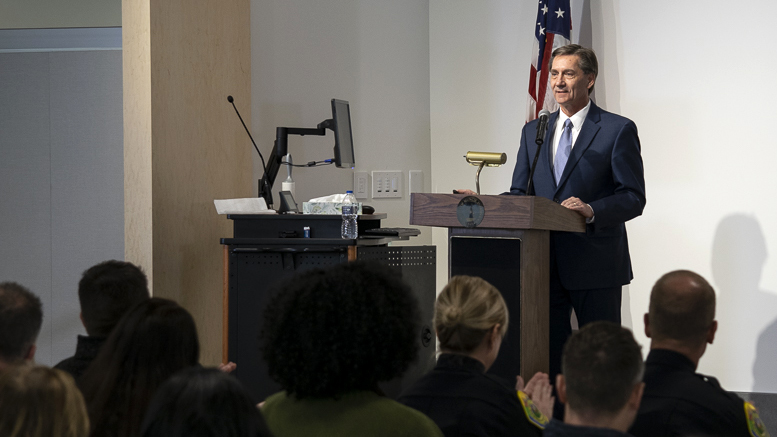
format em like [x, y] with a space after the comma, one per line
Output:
[465, 191]
[578, 205]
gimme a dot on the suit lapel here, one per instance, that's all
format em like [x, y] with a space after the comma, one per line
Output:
[582, 143]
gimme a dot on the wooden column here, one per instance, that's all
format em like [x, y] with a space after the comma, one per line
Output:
[184, 146]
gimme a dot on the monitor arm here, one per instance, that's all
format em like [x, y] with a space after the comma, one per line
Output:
[279, 150]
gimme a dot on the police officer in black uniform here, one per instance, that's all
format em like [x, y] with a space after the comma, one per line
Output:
[677, 400]
[470, 318]
[600, 384]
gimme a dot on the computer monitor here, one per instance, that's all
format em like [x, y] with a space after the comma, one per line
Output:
[341, 120]
[340, 124]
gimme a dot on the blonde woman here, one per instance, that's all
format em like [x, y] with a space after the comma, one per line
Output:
[36, 401]
[471, 318]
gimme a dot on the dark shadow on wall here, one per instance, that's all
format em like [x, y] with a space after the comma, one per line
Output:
[738, 256]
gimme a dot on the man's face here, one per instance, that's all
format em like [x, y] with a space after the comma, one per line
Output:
[570, 85]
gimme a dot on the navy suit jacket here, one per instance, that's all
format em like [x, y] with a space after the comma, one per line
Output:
[604, 170]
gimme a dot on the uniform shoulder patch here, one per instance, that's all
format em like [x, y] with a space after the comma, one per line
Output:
[754, 423]
[532, 412]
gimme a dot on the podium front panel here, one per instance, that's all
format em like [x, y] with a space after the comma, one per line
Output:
[498, 261]
[254, 271]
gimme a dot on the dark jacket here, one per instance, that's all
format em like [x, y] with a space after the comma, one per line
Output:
[463, 400]
[557, 428]
[87, 349]
[604, 170]
[680, 402]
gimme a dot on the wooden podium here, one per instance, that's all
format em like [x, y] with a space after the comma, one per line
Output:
[505, 240]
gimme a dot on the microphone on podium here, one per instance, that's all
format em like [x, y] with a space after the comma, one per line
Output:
[264, 186]
[542, 126]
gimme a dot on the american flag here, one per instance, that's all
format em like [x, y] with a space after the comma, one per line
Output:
[553, 29]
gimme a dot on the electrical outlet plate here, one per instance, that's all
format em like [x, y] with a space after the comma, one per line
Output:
[360, 189]
[416, 181]
[386, 184]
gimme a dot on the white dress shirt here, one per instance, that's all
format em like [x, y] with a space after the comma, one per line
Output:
[578, 119]
[577, 123]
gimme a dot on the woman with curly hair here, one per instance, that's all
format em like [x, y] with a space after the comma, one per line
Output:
[151, 342]
[36, 401]
[329, 337]
[470, 317]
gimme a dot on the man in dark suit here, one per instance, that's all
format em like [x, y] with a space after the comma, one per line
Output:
[590, 163]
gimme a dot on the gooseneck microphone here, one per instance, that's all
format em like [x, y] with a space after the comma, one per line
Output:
[264, 186]
[542, 127]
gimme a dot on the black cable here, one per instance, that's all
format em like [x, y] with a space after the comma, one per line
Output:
[312, 163]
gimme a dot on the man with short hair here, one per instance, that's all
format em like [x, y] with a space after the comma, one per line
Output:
[679, 401]
[21, 316]
[105, 292]
[601, 382]
[591, 164]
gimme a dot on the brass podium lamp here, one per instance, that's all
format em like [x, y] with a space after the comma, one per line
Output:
[483, 159]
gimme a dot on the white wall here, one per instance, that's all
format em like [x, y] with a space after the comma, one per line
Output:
[61, 173]
[479, 64]
[681, 72]
[49, 14]
[373, 53]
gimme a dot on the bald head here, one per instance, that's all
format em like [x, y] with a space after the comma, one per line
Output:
[682, 308]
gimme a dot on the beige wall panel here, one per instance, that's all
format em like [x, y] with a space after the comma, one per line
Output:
[136, 60]
[199, 54]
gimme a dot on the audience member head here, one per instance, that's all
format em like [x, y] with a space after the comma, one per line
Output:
[106, 291]
[330, 332]
[36, 401]
[470, 317]
[602, 372]
[682, 313]
[199, 402]
[154, 340]
[21, 316]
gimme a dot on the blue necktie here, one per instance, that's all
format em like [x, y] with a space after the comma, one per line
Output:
[563, 151]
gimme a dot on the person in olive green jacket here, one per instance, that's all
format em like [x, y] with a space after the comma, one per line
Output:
[329, 337]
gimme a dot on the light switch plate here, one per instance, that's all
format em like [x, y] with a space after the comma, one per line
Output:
[360, 189]
[386, 184]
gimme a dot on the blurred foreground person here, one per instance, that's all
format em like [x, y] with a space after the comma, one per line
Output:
[199, 402]
[677, 400]
[36, 401]
[601, 382]
[21, 316]
[154, 340]
[329, 337]
[106, 292]
[470, 318]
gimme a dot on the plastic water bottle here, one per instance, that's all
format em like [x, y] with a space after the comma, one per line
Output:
[350, 228]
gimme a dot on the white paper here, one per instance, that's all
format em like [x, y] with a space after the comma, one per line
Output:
[251, 205]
